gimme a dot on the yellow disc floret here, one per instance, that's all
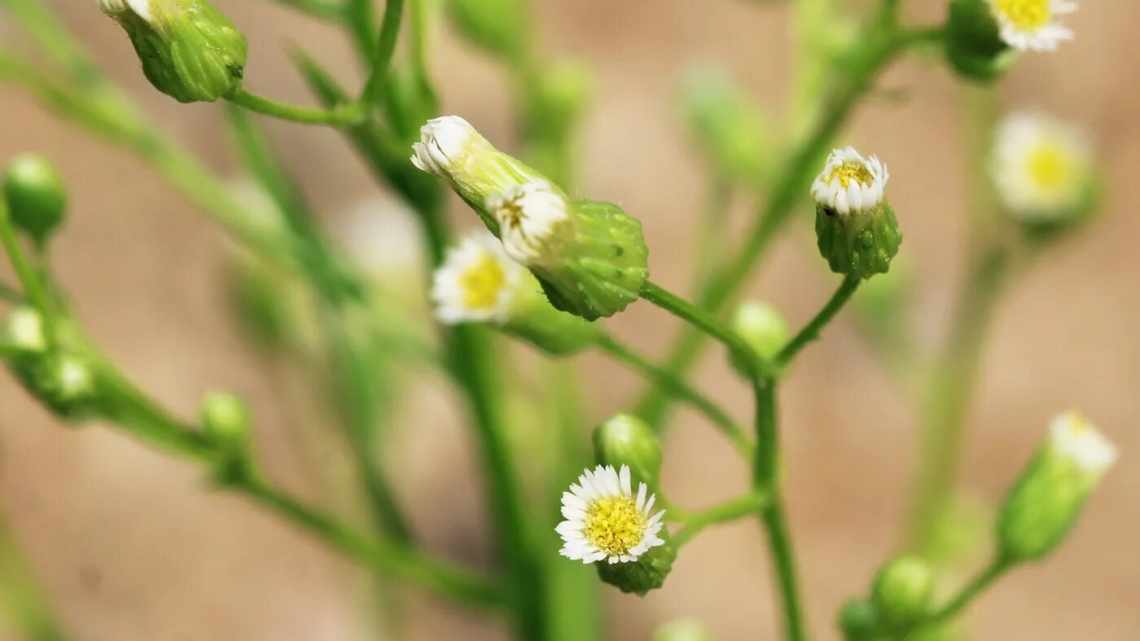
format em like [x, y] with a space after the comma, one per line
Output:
[482, 283]
[614, 525]
[852, 171]
[1027, 15]
[1050, 166]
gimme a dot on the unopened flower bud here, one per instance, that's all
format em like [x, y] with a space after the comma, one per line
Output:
[974, 44]
[855, 226]
[859, 620]
[25, 330]
[725, 124]
[225, 420]
[36, 196]
[189, 50]
[66, 383]
[762, 327]
[479, 282]
[903, 590]
[1047, 500]
[497, 26]
[627, 440]
[683, 630]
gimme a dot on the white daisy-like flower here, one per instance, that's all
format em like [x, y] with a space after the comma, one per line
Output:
[1072, 436]
[1032, 24]
[442, 142]
[381, 235]
[528, 215]
[606, 521]
[115, 8]
[849, 182]
[477, 282]
[1040, 166]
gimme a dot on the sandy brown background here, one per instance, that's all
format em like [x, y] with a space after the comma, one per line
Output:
[129, 545]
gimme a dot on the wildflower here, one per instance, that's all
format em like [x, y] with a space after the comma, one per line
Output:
[606, 521]
[626, 440]
[1047, 499]
[35, 195]
[189, 50]
[1032, 24]
[1042, 169]
[855, 226]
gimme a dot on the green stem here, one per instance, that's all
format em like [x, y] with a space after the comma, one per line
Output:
[26, 273]
[696, 523]
[10, 294]
[812, 330]
[698, 318]
[382, 56]
[21, 599]
[341, 116]
[360, 17]
[969, 593]
[323, 9]
[678, 386]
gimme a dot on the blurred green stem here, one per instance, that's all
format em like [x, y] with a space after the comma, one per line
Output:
[695, 523]
[382, 56]
[29, 279]
[342, 116]
[969, 593]
[21, 600]
[811, 332]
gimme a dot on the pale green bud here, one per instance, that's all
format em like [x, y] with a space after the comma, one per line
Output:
[225, 420]
[683, 630]
[627, 440]
[1047, 500]
[647, 573]
[35, 195]
[903, 590]
[25, 330]
[762, 327]
[855, 227]
[726, 125]
[189, 50]
[859, 620]
[974, 45]
[65, 383]
[498, 26]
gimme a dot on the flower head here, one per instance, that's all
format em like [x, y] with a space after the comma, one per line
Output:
[606, 521]
[1042, 168]
[527, 215]
[442, 141]
[1032, 24]
[477, 282]
[849, 182]
[1073, 437]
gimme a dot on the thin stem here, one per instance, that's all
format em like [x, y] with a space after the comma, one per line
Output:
[969, 593]
[25, 272]
[382, 56]
[341, 116]
[21, 599]
[678, 386]
[361, 20]
[10, 294]
[323, 9]
[811, 332]
[738, 508]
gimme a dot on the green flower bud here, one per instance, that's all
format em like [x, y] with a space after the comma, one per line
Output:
[682, 630]
[225, 420]
[647, 573]
[763, 328]
[189, 50]
[859, 620]
[627, 440]
[903, 590]
[36, 197]
[497, 26]
[1047, 500]
[478, 282]
[726, 125]
[974, 46]
[856, 228]
[65, 383]
[25, 330]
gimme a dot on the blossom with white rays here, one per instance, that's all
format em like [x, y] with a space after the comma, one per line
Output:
[849, 182]
[1032, 24]
[115, 8]
[606, 521]
[1040, 166]
[442, 141]
[477, 282]
[1073, 437]
[528, 215]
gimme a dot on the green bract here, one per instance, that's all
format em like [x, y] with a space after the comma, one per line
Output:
[645, 574]
[973, 42]
[534, 320]
[861, 243]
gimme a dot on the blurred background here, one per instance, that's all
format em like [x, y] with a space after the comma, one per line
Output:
[129, 544]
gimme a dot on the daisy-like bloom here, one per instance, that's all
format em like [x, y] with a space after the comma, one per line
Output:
[1074, 438]
[442, 141]
[1032, 24]
[528, 215]
[1041, 167]
[477, 282]
[606, 521]
[849, 182]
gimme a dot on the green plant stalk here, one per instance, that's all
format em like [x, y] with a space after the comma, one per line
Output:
[26, 273]
[342, 116]
[323, 9]
[21, 599]
[811, 332]
[966, 596]
[382, 57]
[697, 522]
[360, 18]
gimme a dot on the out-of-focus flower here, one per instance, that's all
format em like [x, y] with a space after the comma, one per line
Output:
[1043, 169]
[605, 519]
[1032, 24]
[855, 226]
[683, 630]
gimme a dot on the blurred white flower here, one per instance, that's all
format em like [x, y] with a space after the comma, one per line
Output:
[606, 521]
[477, 282]
[1032, 24]
[1073, 437]
[1040, 166]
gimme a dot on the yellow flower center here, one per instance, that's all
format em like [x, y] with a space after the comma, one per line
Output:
[614, 525]
[482, 283]
[852, 171]
[1027, 15]
[1050, 166]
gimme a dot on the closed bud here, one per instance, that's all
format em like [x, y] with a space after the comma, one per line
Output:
[25, 330]
[974, 45]
[497, 26]
[683, 630]
[763, 328]
[627, 440]
[225, 420]
[903, 590]
[859, 620]
[645, 574]
[36, 197]
[725, 124]
[855, 227]
[189, 50]
[66, 383]
[1047, 500]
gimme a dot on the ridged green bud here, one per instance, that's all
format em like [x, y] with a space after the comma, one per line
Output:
[855, 227]
[903, 590]
[35, 195]
[974, 46]
[646, 573]
[479, 282]
[1046, 501]
[225, 420]
[859, 620]
[726, 125]
[189, 50]
[627, 440]
[762, 327]
[497, 26]
[683, 630]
